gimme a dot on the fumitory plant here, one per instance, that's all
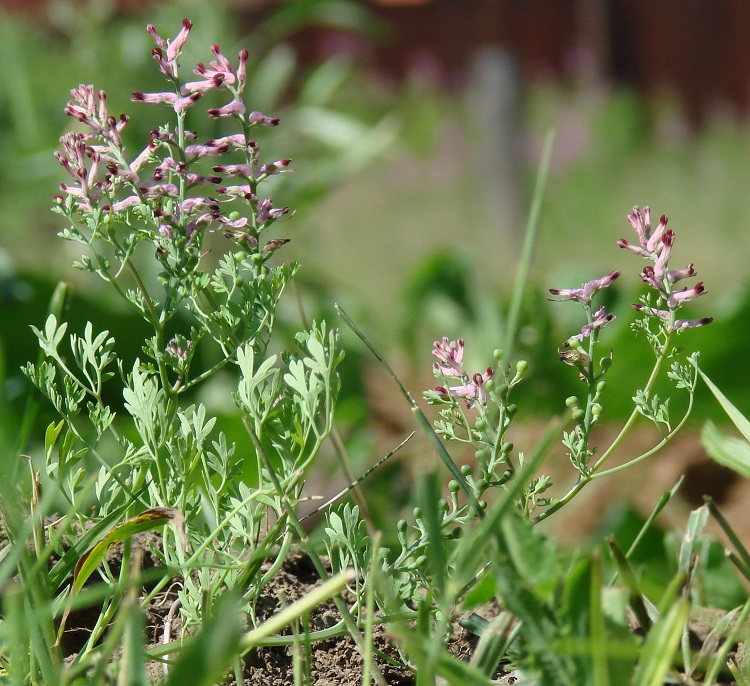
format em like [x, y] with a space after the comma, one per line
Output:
[181, 230]
[476, 409]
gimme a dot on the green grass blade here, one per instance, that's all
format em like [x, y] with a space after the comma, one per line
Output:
[598, 630]
[728, 451]
[637, 600]
[696, 523]
[527, 253]
[742, 559]
[739, 419]
[661, 644]
[421, 418]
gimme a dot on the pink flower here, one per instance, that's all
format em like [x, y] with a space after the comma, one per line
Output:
[475, 391]
[587, 290]
[601, 319]
[168, 64]
[450, 355]
[232, 109]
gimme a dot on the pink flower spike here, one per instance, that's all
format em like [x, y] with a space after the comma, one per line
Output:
[450, 355]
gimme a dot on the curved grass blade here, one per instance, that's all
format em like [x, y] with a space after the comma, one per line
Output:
[527, 252]
[421, 418]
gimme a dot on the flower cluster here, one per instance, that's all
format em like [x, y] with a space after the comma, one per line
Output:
[655, 245]
[572, 352]
[168, 183]
[473, 389]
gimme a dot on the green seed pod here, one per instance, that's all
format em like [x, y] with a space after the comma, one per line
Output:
[601, 386]
[482, 453]
[521, 367]
[571, 401]
[419, 562]
[442, 505]
[480, 424]
[453, 486]
[497, 353]
[458, 532]
[506, 448]
[402, 525]
[511, 409]
[240, 255]
[481, 485]
[466, 469]
[489, 384]
[417, 513]
[578, 414]
[239, 282]
[502, 391]
[605, 363]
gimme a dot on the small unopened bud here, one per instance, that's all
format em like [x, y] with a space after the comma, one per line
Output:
[453, 486]
[465, 469]
[521, 367]
[601, 386]
[571, 401]
[578, 414]
[402, 525]
[497, 353]
[417, 513]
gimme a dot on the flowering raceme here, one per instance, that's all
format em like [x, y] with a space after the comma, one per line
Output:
[184, 199]
[450, 355]
[656, 246]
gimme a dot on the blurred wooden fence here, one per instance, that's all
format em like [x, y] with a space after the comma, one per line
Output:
[697, 50]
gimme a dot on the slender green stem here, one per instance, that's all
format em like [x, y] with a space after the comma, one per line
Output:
[584, 479]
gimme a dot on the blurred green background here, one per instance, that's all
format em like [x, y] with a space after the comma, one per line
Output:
[416, 158]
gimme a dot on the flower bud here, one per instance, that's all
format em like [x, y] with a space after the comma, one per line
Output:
[571, 401]
[578, 414]
[402, 525]
[521, 367]
[453, 486]
[601, 386]
[466, 469]
[497, 353]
